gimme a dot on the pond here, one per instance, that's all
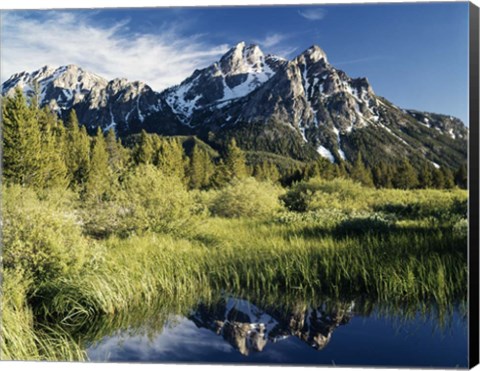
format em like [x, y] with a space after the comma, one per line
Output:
[235, 330]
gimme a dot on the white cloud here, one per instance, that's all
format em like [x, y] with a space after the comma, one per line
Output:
[313, 14]
[61, 38]
[287, 52]
[165, 345]
[276, 44]
[271, 40]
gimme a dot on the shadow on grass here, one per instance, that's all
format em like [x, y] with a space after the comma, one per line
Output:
[359, 228]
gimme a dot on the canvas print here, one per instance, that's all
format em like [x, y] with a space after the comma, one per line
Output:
[252, 184]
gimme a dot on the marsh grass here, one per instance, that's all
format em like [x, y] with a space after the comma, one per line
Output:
[24, 339]
[397, 249]
[134, 272]
[267, 256]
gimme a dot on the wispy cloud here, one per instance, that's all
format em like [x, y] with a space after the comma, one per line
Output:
[278, 44]
[288, 52]
[271, 40]
[60, 38]
[313, 14]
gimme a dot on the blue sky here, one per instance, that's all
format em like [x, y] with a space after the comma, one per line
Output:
[415, 55]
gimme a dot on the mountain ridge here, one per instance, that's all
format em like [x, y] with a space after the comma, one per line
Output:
[295, 107]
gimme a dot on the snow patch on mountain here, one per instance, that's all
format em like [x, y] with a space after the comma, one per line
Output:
[437, 166]
[324, 152]
[340, 151]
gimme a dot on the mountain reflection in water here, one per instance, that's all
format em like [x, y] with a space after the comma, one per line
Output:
[248, 328]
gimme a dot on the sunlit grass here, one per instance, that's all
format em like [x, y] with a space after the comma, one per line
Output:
[402, 250]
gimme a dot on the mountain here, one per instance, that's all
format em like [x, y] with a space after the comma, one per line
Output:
[301, 108]
[311, 102]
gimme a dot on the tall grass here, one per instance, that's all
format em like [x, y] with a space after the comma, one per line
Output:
[399, 266]
[21, 338]
[399, 248]
[133, 272]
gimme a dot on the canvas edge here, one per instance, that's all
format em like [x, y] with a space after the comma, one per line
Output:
[474, 186]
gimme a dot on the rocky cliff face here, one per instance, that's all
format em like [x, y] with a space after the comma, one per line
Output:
[300, 108]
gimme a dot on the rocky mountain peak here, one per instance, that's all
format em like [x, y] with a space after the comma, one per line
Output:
[238, 72]
[60, 88]
[313, 54]
[242, 59]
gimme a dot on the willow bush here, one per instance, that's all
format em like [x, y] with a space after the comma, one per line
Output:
[246, 197]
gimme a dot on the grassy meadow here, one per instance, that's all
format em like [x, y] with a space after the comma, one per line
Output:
[70, 262]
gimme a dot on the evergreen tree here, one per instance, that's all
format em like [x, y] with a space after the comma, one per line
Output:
[117, 154]
[340, 171]
[311, 170]
[169, 157]
[406, 176]
[21, 142]
[221, 176]
[461, 176]
[197, 169]
[209, 168]
[201, 168]
[327, 169]
[448, 178]
[425, 176]
[78, 152]
[271, 171]
[360, 173]
[292, 175]
[235, 161]
[144, 150]
[258, 171]
[100, 176]
[60, 134]
[53, 169]
[266, 171]
[382, 175]
[72, 135]
[438, 179]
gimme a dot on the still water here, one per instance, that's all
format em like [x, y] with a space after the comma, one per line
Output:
[234, 330]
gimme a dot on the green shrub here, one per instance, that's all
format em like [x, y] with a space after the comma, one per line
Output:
[40, 238]
[247, 197]
[327, 219]
[461, 228]
[318, 194]
[147, 200]
[366, 222]
[338, 221]
[437, 206]
[153, 201]
[103, 218]
[203, 200]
